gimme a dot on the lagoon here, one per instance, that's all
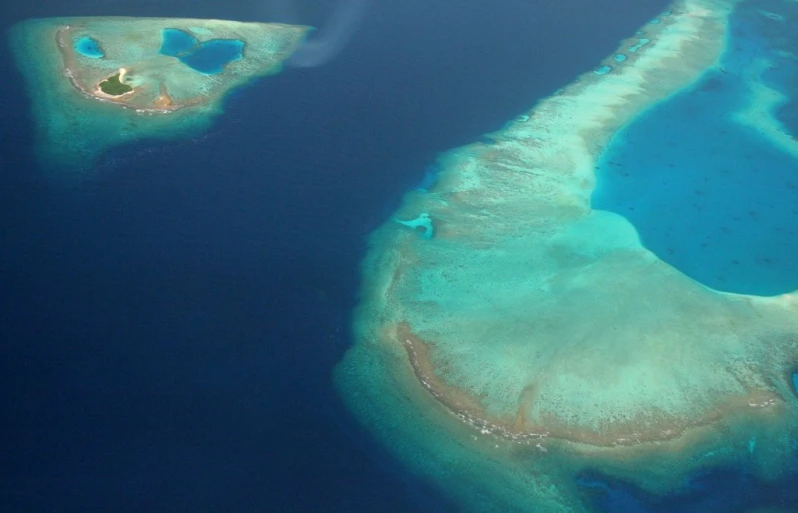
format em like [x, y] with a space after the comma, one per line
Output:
[699, 175]
[207, 57]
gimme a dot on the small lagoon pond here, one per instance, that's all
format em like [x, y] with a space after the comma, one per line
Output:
[208, 57]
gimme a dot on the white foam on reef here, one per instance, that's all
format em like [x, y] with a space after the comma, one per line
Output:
[531, 323]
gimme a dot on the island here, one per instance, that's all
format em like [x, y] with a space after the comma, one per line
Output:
[115, 87]
[98, 81]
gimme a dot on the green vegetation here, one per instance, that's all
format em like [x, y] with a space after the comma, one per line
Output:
[114, 87]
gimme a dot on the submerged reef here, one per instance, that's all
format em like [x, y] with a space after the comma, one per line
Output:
[531, 340]
[97, 82]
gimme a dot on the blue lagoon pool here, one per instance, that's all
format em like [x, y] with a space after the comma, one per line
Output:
[89, 47]
[207, 57]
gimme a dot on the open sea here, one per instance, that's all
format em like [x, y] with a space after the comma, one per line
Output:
[169, 320]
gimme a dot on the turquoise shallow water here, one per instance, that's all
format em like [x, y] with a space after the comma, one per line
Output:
[208, 57]
[713, 197]
[89, 47]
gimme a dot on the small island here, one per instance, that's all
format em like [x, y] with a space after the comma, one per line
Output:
[92, 75]
[114, 85]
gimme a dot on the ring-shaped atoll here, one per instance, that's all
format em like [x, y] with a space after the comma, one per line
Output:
[96, 82]
[511, 338]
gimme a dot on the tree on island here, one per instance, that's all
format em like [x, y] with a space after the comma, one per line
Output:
[114, 85]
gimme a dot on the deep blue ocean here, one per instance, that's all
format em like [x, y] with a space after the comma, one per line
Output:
[170, 320]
